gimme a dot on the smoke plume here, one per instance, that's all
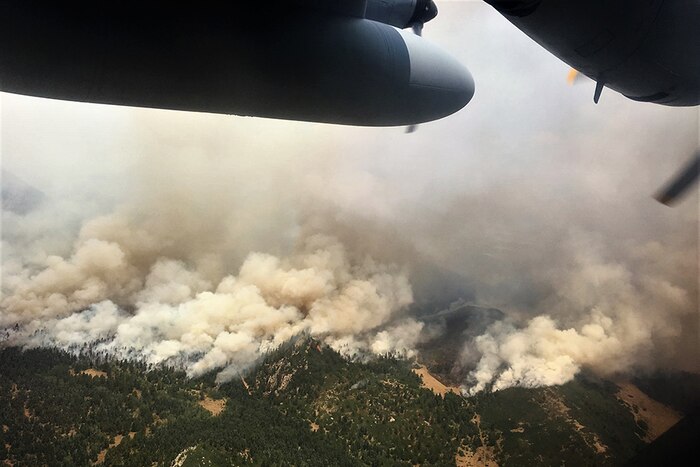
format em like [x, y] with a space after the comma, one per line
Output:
[599, 315]
[204, 241]
[179, 316]
[158, 287]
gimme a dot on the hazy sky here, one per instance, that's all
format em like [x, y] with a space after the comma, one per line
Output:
[528, 192]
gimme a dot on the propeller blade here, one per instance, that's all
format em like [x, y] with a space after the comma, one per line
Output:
[575, 77]
[417, 28]
[681, 182]
[425, 11]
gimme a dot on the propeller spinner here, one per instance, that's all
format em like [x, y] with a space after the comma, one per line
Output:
[425, 11]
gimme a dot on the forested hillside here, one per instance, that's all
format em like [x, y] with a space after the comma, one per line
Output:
[302, 405]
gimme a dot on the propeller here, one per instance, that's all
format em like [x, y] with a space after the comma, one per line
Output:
[417, 29]
[575, 77]
[424, 12]
[680, 183]
[674, 188]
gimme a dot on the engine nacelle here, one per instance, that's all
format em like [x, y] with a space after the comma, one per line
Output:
[297, 65]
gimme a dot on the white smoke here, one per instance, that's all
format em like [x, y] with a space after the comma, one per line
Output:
[602, 317]
[216, 252]
[175, 314]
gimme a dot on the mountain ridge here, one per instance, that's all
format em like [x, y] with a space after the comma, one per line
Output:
[303, 404]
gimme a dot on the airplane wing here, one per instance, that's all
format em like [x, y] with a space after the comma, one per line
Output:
[335, 61]
[648, 51]
[351, 8]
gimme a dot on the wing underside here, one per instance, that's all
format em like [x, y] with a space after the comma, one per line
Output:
[354, 8]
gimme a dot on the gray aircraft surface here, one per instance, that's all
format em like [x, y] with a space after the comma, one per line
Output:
[333, 61]
[648, 50]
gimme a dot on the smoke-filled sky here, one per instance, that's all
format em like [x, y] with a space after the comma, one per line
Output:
[207, 239]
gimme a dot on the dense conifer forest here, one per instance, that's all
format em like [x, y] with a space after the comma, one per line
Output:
[303, 404]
